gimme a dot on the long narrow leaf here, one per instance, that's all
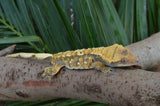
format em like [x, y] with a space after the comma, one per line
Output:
[86, 23]
[153, 18]
[141, 20]
[115, 23]
[126, 13]
[19, 39]
[71, 10]
[73, 37]
[158, 15]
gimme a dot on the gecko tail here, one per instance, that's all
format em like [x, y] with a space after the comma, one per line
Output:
[39, 56]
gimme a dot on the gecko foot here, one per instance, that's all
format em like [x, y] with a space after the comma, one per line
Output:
[48, 72]
[106, 70]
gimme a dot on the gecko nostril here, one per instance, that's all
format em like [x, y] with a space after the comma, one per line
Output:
[124, 60]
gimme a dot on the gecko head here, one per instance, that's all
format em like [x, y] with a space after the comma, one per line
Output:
[119, 56]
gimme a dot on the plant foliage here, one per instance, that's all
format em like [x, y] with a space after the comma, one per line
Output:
[45, 26]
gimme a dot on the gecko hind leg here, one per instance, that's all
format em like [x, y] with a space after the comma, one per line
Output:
[49, 72]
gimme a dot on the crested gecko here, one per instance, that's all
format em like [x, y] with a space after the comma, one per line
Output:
[102, 58]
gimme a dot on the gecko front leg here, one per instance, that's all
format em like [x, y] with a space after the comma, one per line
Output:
[102, 67]
[49, 72]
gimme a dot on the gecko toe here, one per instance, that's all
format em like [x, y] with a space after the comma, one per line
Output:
[112, 69]
[43, 75]
[108, 73]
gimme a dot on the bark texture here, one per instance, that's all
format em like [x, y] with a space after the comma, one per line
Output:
[148, 51]
[20, 79]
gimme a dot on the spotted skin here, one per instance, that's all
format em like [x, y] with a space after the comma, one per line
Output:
[102, 58]
[77, 62]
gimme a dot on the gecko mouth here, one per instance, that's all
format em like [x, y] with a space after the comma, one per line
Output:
[117, 64]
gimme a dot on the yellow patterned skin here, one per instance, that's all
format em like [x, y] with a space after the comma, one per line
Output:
[102, 58]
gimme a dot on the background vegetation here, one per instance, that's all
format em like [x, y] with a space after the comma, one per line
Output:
[45, 26]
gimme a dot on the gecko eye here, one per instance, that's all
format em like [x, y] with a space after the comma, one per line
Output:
[123, 60]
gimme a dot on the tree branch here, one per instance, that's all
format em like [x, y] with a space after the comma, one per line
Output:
[148, 51]
[20, 80]
[7, 50]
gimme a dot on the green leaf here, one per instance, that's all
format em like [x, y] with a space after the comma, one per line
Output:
[19, 23]
[46, 26]
[73, 37]
[115, 23]
[23, 39]
[158, 3]
[54, 25]
[9, 27]
[86, 23]
[100, 23]
[126, 14]
[153, 9]
[141, 20]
